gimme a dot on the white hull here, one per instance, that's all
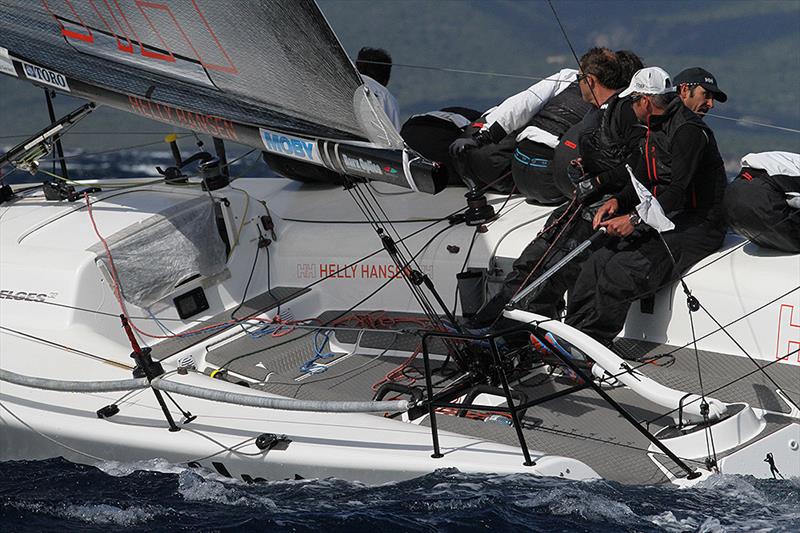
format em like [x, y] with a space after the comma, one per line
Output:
[44, 252]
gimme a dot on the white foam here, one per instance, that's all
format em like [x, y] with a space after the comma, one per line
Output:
[733, 487]
[105, 514]
[196, 488]
[571, 500]
[101, 514]
[122, 469]
[668, 521]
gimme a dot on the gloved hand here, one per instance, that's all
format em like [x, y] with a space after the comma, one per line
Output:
[493, 134]
[575, 172]
[587, 190]
[460, 146]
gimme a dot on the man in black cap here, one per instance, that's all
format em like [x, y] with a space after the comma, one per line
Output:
[698, 89]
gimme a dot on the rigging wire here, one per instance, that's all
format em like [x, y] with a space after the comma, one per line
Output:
[340, 315]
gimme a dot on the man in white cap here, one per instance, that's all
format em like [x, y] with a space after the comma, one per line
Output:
[681, 166]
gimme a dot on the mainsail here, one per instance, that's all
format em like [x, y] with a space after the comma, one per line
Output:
[267, 73]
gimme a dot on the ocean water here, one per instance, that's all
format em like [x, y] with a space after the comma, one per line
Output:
[133, 163]
[158, 496]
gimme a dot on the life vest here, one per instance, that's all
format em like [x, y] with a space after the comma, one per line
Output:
[569, 149]
[603, 147]
[561, 112]
[704, 193]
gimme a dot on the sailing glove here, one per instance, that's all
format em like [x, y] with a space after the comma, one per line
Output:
[495, 133]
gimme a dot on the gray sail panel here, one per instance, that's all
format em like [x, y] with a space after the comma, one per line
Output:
[266, 63]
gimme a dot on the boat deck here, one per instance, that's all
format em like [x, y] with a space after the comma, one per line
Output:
[581, 425]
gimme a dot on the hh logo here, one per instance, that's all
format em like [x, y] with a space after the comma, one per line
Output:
[788, 333]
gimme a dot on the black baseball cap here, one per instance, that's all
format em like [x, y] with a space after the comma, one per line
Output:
[703, 78]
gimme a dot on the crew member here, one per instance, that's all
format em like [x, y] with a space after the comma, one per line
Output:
[681, 165]
[698, 89]
[763, 202]
[484, 153]
[610, 138]
[601, 71]
[375, 66]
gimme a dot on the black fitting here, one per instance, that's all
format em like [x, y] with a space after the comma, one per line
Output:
[478, 210]
[267, 441]
[389, 244]
[6, 193]
[267, 223]
[108, 411]
[693, 303]
[145, 366]
[416, 278]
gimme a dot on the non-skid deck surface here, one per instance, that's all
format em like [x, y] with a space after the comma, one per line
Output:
[581, 425]
[380, 340]
[254, 306]
[726, 378]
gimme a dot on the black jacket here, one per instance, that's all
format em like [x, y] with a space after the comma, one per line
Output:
[679, 162]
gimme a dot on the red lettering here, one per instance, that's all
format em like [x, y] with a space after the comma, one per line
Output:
[788, 332]
[231, 130]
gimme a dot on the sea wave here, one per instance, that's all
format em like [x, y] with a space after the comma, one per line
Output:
[158, 495]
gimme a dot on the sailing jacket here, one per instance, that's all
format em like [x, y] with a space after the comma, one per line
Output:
[679, 162]
[605, 140]
[519, 113]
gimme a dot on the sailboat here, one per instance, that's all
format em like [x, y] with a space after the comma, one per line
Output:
[272, 329]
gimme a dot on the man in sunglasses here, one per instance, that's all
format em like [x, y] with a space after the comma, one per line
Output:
[680, 164]
[521, 133]
[607, 135]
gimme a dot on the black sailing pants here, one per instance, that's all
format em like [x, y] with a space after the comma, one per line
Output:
[548, 299]
[625, 270]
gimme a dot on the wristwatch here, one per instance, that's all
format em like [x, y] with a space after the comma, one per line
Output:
[635, 219]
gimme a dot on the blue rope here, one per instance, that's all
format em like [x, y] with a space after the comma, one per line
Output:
[311, 366]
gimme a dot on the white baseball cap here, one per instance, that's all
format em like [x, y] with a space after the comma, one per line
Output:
[650, 80]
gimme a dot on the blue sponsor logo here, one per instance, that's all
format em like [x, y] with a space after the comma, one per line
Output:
[289, 146]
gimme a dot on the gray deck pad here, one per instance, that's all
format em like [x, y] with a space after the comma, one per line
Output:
[719, 374]
[581, 425]
[393, 322]
[252, 307]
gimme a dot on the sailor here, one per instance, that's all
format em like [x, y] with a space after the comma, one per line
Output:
[601, 72]
[698, 89]
[512, 145]
[680, 164]
[763, 202]
[375, 66]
